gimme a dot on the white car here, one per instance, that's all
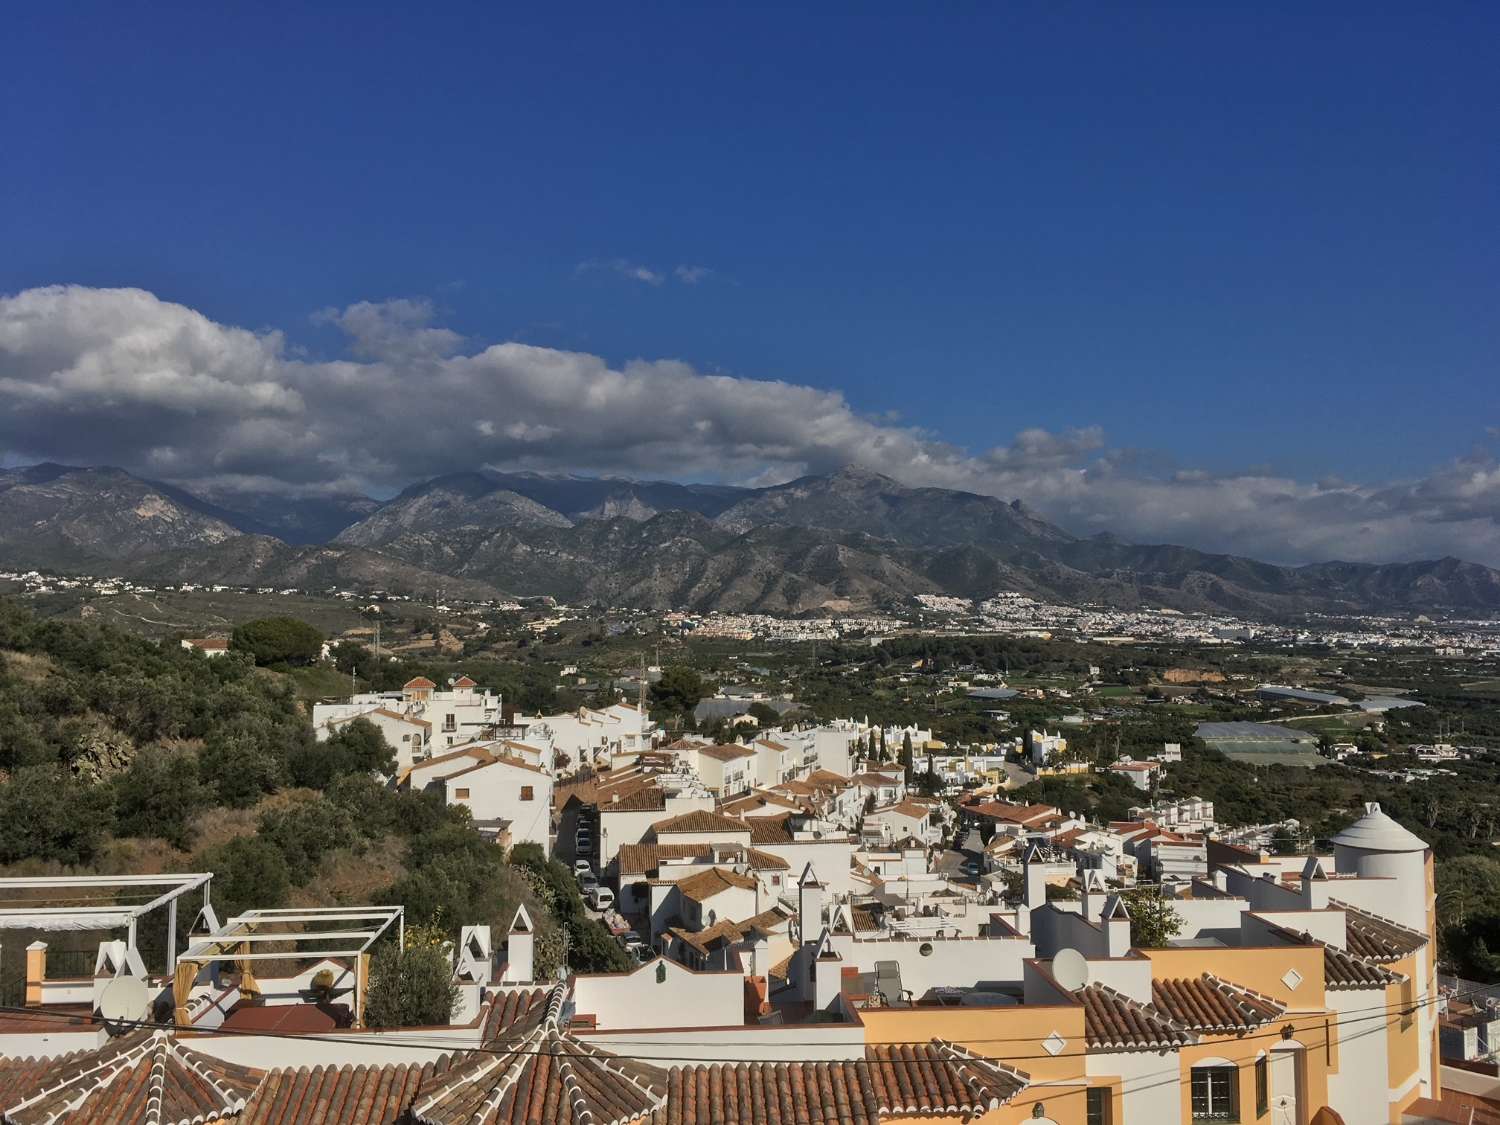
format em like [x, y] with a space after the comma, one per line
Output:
[582, 867]
[601, 898]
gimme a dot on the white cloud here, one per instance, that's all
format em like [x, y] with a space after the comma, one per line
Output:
[95, 376]
[632, 271]
[692, 275]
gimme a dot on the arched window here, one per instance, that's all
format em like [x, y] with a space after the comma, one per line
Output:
[1216, 1091]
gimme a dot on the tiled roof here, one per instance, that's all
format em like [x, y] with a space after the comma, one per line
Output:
[649, 798]
[769, 830]
[509, 1008]
[727, 752]
[1378, 939]
[1207, 1003]
[715, 880]
[146, 1076]
[1013, 814]
[1113, 1021]
[910, 808]
[759, 799]
[937, 1079]
[643, 859]
[417, 682]
[22, 1078]
[541, 1075]
[700, 820]
[729, 930]
[1343, 970]
[339, 1095]
[493, 758]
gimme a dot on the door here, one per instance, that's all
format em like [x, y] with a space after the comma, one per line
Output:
[1284, 1080]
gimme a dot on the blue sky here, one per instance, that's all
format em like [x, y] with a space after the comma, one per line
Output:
[1236, 239]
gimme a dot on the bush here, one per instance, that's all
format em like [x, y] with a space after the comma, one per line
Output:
[306, 830]
[248, 873]
[45, 814]
[410, 988]
[159, 795]
[356, 748]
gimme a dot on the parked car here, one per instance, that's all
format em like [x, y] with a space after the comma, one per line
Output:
[601, 898]
[582, 867]
[588, 884]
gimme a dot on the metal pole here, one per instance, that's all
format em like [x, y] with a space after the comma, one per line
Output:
[171, 935]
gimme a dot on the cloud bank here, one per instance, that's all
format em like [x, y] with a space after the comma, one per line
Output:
[121, 377]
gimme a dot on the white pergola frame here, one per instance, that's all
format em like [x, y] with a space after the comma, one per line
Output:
[233, 941]
[264, 925]
[60, 918]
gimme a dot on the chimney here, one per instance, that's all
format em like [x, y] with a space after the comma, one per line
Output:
[520, 950]
[828, 970]
[809, 906]
[1116, 922]
[1036, 878]
[1093, 894]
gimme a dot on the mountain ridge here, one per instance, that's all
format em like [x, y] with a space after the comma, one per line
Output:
[847, 541]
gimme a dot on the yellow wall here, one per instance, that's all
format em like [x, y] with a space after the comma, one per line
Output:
[1012, 1036]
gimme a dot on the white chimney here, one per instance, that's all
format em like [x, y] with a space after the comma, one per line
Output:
[809, 905]
[1036, 878]
[520, 950]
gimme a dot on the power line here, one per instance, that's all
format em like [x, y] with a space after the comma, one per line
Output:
[1388, 1011]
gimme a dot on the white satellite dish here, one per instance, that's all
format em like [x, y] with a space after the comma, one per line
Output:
[1070, 969]
[124, 1000]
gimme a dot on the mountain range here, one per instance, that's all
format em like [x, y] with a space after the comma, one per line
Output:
[849, 541]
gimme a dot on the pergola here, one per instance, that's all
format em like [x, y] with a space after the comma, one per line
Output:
[312, 934]
[74, 903]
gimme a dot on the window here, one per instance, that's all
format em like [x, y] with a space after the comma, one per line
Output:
[450, 721]
[1262, 1085]
[1214, 1093]
[1098, 1105]
[526, 793]
[460, 794]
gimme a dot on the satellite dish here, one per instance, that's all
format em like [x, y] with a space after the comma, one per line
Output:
[1070, 969]
[124, 1000]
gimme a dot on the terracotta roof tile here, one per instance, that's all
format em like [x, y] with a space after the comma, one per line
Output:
[509, 1008]
[541, 1075]
[769, 830]
[339, 1095]
[1113, 1021]
[700, 820]
[726, 752]
[1207, 1003]
[145, 1076]
[934, 1079]
[706, 884]
[1375, 938]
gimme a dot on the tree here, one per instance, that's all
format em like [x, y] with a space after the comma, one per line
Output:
[278, 640]
[305, 831]
[763, 715]
[240, 769]
[159, 795]
[351, 656]
[357, 747]
[45, 814]
[679, 689]
[1153, 921]
[906, 759]
[248, 872]
[413, 987]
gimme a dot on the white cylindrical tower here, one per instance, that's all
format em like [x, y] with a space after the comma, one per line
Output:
[1376, 847]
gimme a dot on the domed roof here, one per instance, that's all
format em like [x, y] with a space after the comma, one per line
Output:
[1377, 832]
